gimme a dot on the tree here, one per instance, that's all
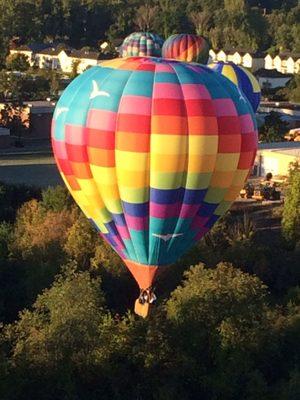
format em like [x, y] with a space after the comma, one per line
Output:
[81, 241]
[291, 211]
[56, 199]
[145, 16]
[74, 72]
[17, 62]
[273, 129]
[201, 22]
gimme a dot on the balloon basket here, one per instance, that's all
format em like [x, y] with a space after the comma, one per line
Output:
[143, 310]
[144, 303]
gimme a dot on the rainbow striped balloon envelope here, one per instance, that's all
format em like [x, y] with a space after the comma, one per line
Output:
[154, 151]
[142, 44]
[241, 77]
[186, 47]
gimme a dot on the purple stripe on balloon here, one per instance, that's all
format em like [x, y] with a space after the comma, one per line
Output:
[199, 222]
[207, 209]
[212, 220]
[161, 196]
[119, 219]
[111, 227]
[135, 210]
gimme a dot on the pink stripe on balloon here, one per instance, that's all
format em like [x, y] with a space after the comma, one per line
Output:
[123, 232]
[139, 105]
[167, 91]
[202, 231]
[224, 107]
[188, 210]
[76, 134]
[247, 125]
[137, 223]
[59, 148]
[106, 120]
[119, 243]
[195, 91]
[164, 68]
[164, 211]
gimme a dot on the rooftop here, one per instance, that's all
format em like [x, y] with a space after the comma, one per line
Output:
[271, 73]
[282, 146]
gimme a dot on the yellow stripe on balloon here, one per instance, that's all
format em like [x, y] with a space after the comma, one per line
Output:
[228, 71]
[203, 145]
[134, 195]
[227, 161]
[132, 161]
[168, 144]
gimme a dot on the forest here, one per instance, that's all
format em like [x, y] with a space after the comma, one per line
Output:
[226, 324]
[258, 25]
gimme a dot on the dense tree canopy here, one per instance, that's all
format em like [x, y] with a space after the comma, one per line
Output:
[226, 328]
[227, 23]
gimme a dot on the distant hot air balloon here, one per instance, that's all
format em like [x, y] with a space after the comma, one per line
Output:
[241, 77]
[186, 47]
[154, 151]
[142, 44]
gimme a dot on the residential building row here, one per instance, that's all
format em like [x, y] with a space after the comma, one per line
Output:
[62, 58]
[285, 63]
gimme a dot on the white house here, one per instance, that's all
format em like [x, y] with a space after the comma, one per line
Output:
[60, 58]
[29, 51]
[269, 62]
[212, 55]
[222, 56]
[254, 61]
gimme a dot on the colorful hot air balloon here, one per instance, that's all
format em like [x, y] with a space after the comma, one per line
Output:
[142, 44]
[244, 80]
[186, 47]
[154, 151]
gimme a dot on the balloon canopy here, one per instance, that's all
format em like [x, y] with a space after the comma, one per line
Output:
[142, 44]
[154, 151]
[241, 77]
[186, 47]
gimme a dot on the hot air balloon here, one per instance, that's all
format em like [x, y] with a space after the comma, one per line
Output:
[245, 81]
[186, 47]
[142, 44]
[154, 151]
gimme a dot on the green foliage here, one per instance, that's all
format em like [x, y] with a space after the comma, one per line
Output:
[56, 199]
[273, 129]
[17, 62]
[291, 211]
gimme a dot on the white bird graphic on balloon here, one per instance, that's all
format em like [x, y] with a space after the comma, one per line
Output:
[167, 237]
[96, 92]
[60, 110]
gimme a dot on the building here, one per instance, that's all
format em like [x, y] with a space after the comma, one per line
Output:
[5, 138]
[253, 60]
[276, 158]
[271, 78]
[29, 51]
[286, 63]
[246, 58]
[60, 57]
[37, 117]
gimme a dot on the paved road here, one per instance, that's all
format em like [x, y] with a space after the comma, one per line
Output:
[30, 169]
